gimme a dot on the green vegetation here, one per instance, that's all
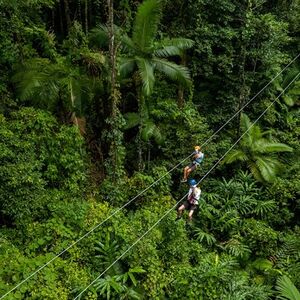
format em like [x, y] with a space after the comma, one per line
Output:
[99, 99]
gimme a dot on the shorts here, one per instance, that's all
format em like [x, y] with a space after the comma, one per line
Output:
[189, 206]
[193, 166]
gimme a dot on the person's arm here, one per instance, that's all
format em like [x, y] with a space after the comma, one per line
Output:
[195, 154]
[197, 194]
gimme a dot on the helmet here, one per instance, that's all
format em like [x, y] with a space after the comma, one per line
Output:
[197, 148]
[192, 182]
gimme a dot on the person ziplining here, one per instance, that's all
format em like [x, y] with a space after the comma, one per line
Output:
[198, 157]
[192, 200]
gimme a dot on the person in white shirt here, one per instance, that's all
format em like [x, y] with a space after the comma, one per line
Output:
[192, 200]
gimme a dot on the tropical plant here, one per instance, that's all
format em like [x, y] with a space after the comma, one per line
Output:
[144, 54]
[120, 285]
[287, 289]
[65, 83]
[258, 152]
[107, 252]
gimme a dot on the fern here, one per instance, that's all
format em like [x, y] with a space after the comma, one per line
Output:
[203, 236]
[263, 207]
[258, 152]
[236, 248]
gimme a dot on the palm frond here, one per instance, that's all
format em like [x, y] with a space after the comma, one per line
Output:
[264, 207]
[235, 155]
[145, 69]
[289, 76]
[127, 43]
[287, 289]
[99, 37]
[264, 146]
[267, 167]
[172, 47]
[255, 133]
[132, 119]
[127, 66]
[255, 171]
[173, 71]
[168, 51]
[206, 237]
[37, 80]
[236, 248]
[245, 122]
[149, 130]
[146, 24]
[157, 135]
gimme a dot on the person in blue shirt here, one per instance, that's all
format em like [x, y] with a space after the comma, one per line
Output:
[192, 200]
[198, 157]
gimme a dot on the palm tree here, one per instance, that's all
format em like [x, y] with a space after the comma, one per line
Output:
[258, 152]
[141, 55]
[56, 85]
[144, 54]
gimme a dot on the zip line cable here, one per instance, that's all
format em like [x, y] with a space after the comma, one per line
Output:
[207, 173]
[147, 188]
[244, 106]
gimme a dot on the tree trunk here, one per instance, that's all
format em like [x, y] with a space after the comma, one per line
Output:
[180, 94]
[61, 23]
[53, 19]
[86, 15]
[244, 89]
[141, 104]
[114, 93]
[67, 14]
[149, 155]
[242, 96]
[79, 11]
[112, 55]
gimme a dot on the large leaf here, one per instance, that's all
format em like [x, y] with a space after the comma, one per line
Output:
[148, 130]
[245, 122]
[173, 71]
[146, 24]
[262, 264]
[172, 47]
[287, 289]
[288, 100]
[235, 155]
[132, 119]
[147, 75]
[268, 167]
[127, 43]
[255, 171]
[269, 147]
[206, 237]
[127, 66]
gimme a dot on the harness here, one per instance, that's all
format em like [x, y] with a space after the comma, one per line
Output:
[199, 159]
[192, 199]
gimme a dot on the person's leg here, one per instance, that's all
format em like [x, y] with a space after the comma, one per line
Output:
[185, 172]
[191, 214]
[180, 211]
[190, 169]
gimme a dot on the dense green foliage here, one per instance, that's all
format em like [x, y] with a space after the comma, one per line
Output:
[87, 122]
